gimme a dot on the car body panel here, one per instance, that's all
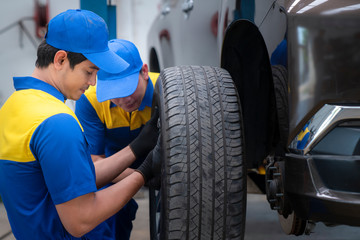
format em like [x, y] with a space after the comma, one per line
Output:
[323, 67]
[174, 23]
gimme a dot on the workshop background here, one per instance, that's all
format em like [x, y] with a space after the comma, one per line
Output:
[22, 24]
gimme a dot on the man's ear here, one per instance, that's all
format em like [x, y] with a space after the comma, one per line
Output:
[145, 71]
[60, 58]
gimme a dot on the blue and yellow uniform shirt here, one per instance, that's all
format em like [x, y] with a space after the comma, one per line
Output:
[44, 159]
[108, 128]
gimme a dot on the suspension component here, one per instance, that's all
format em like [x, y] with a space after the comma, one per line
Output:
[290, 223]
[275, 193]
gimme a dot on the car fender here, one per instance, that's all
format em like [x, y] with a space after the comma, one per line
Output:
[244, 55]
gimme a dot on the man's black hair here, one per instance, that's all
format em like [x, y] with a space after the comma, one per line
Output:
[46, 54]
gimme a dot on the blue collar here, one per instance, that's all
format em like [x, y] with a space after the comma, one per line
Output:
[147, 100]
[23, 83]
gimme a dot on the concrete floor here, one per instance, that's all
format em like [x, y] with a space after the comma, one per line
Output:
[261, 223]
[141, 227]
[5, 230]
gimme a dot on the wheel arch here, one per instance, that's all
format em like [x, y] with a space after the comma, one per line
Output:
[161, 53]
[244, 55]
[154, 64]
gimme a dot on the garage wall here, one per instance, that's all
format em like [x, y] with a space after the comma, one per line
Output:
[17, 50]
[134, 18]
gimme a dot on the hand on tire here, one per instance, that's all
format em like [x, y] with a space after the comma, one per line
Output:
[154, 183]
[146, 140]
[151, 167]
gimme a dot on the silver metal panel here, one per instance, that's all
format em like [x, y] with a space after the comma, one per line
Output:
[320, 124]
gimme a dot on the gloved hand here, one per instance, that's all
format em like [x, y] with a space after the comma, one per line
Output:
[151, 167]
[146, 140]
[154, 183]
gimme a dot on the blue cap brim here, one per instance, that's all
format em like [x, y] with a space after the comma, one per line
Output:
[116, 88]
[107, 61]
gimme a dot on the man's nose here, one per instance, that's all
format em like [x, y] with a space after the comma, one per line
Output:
[92, 80]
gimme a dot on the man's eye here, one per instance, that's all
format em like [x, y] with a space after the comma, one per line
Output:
[89, 73]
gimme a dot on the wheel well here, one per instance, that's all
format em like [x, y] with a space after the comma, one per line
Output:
[154, 61]
[244, 55]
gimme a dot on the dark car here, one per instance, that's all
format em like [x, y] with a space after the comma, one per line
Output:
[248, 85]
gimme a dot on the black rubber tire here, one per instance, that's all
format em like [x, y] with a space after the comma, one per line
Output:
[280, 79]
[203, 186]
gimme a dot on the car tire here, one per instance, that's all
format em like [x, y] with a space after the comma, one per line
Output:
[280, 79]
[203, 179]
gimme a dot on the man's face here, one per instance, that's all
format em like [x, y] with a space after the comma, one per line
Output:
[133, 102]
[76, 81]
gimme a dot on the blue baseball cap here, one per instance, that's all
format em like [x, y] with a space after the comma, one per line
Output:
[123, 84]
[82, 31]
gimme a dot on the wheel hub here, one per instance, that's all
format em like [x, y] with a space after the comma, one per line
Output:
[274, 186]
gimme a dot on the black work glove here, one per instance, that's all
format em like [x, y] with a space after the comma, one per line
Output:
[151, 167]
[146, 140]
[154, 183]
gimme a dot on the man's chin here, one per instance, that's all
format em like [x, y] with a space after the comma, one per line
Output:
[75, 98]
[131, 108]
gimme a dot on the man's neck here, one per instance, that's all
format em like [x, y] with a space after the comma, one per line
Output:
[44, 74]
